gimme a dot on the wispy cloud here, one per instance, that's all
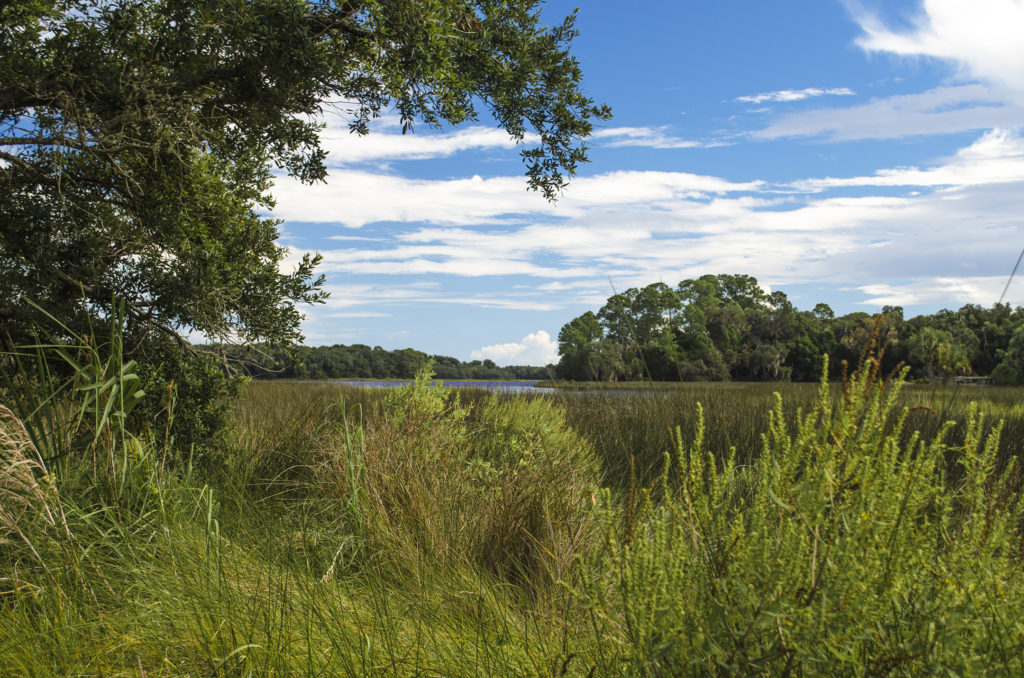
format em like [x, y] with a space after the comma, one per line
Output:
[646, 137]
[346, 149]
[386, 144]
[997, 157]
[352, 296]
[981, 40]
[356, 198]
[942, 110]
[938, 290]
[358, 314]
[786, 95]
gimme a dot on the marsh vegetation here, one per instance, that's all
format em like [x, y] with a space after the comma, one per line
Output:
[709, 529]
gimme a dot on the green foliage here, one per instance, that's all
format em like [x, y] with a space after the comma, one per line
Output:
[359, 361]
[845, 548]
[1010, 369]
[76, 414]
[577, 344]
[938, 353]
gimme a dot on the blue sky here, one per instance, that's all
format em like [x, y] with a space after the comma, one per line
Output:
[856, 153]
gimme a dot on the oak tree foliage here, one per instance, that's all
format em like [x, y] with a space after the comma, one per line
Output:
[139, 140]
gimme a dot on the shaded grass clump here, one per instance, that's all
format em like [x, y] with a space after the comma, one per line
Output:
[234, 568]
[502, 485]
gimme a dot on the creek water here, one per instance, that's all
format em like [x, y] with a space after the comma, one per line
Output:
[503, 386]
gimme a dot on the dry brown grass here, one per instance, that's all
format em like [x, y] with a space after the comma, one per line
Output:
[27, 495]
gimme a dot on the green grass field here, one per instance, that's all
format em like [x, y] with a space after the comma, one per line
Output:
[711, 529]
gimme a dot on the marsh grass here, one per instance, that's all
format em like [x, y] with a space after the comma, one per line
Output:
[423, 531]
[640, 424]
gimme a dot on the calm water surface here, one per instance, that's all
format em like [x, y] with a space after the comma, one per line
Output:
[503, 386]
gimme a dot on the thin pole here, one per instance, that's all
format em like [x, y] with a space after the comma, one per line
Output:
[1012, 273]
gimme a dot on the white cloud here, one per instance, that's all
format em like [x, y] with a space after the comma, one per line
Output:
[942, 110]
[953, 220]
[384, 143]
[536, 348]
[647, 137]
[982, 290]
[980, 39]
[983, 38]
[355, 198]
[359, 314]
[350, 296]
[786, 95]
[998, 156]
[345, 148]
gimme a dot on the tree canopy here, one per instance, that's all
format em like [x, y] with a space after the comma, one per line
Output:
[139, 138]
[720, 327]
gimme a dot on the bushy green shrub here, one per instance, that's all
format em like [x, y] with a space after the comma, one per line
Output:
[1006, 374]
[838, 551]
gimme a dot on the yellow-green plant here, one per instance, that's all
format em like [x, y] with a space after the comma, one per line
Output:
[30, 508]
[845, 548]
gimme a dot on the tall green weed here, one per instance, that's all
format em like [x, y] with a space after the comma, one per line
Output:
[845, 548]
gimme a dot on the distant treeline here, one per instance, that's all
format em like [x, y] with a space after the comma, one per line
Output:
[362, 362]
[721, 327]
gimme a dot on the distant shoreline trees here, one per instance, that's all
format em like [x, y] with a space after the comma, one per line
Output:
[359, 361]
[713, 328]
[727, 327]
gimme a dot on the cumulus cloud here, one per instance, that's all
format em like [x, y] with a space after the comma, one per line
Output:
[536, 348]
[786, 95]
[982, 37]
